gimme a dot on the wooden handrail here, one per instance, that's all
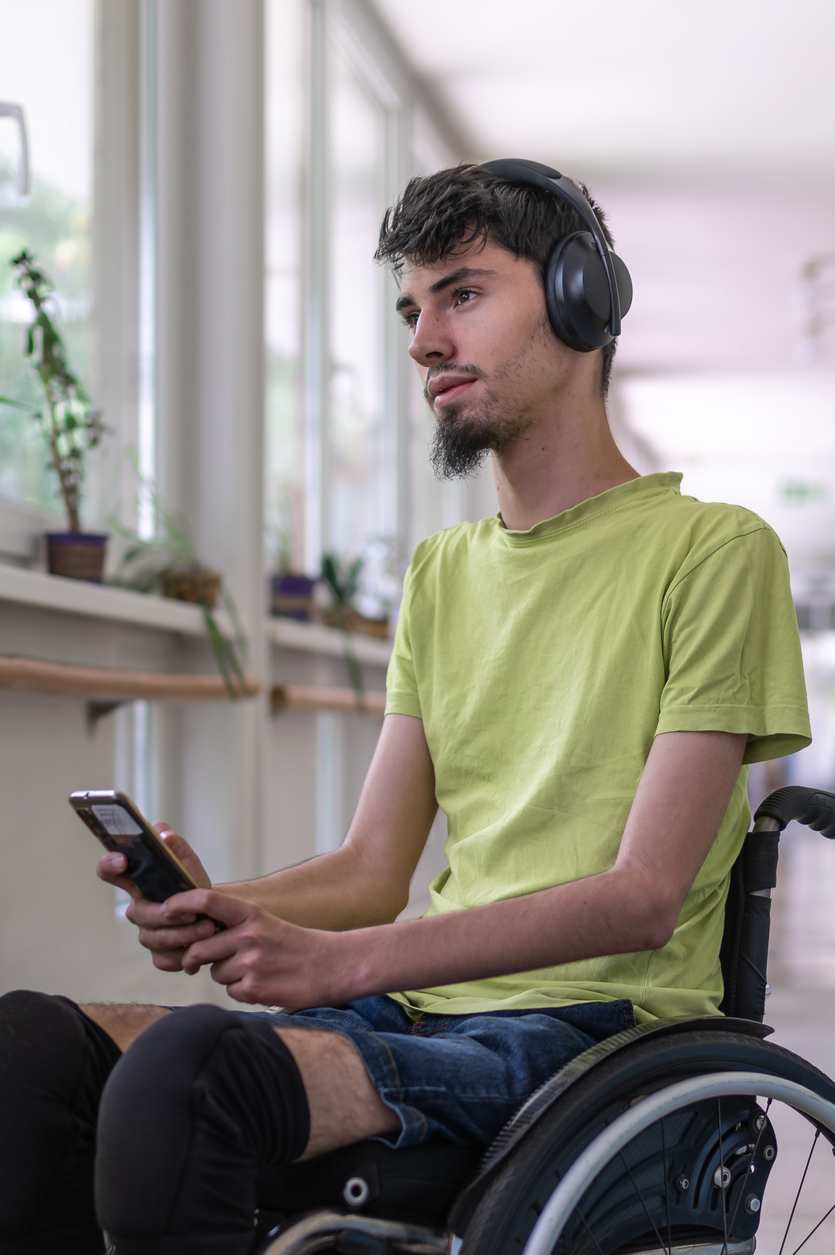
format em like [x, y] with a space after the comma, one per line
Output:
[103, 685]
[315, 697]
[60, 679]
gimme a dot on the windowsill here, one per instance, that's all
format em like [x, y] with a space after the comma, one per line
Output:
[99, 601]
[315, 638]
[121, 605]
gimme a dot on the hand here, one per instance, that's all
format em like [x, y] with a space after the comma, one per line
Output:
[164, 934]
[262, 959]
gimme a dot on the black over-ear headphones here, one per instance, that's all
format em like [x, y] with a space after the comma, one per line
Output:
[587, 286]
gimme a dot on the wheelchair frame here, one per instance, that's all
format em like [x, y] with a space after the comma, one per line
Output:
[563, 1142]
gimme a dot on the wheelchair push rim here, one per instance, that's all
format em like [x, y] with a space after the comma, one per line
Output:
[651, 1109]
[662, 1192]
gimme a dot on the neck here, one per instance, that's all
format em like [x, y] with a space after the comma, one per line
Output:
[562, 459]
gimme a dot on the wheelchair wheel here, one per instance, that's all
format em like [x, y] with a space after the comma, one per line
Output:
[707, 1142]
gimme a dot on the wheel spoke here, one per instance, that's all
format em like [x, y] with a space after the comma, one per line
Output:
[666, 1186]
[722, 1178]
[799, 1190]
[664, 1248]
[585, 1225]
[817, 1226]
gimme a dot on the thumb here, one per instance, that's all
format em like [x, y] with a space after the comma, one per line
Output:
[172, 839]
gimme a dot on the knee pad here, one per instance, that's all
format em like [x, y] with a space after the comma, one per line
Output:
[197, 1107]
[54, 1062]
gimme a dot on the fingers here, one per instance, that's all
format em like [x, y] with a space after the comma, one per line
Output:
[176, 938]
[223, 907]
[210, 950]
[181, 848]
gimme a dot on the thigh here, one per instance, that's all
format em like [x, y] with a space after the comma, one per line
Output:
[459, 1078]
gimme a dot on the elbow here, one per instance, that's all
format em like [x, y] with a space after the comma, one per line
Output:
[656, 927]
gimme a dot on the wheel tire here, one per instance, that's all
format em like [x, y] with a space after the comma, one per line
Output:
[506, 1215]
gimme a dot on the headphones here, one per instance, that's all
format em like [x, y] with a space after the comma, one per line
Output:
[587, 286]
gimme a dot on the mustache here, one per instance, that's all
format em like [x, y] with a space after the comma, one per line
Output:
[471, 371]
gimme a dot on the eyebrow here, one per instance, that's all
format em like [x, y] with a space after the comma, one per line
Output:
[448, 281]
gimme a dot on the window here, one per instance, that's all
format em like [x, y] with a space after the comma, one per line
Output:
[46, 66]
[285, 455]
[355, 464]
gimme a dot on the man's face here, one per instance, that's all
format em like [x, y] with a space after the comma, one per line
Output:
[486, 354]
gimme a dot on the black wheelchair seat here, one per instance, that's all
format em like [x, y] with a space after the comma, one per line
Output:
[417, 1184]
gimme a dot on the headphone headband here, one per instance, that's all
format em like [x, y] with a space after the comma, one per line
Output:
[538, 175]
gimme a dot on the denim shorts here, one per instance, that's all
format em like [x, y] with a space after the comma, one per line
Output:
[460, 1077]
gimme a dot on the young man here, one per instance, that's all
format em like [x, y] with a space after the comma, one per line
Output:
[577, 683]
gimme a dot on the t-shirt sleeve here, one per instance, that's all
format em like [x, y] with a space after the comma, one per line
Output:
[401, 686]
[732, 649]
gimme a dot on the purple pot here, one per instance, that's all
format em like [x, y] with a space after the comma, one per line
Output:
[292, 596]
[77, 555]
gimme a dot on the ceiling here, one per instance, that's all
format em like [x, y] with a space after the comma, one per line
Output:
[633, 87]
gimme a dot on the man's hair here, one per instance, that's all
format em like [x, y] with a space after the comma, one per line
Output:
[438, 213]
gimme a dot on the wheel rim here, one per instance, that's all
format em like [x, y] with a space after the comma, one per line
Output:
[650, 1110]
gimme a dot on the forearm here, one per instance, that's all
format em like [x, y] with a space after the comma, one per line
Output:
[611, 913]
[334, 892]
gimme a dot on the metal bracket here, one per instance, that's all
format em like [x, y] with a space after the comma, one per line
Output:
[97, 710]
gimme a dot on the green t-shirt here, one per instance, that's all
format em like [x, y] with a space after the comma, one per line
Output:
[543, 663]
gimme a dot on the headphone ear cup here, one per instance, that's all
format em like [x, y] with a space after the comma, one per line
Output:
[577, 292]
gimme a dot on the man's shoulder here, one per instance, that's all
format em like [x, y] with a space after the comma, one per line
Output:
[454, 542]
[711, 525]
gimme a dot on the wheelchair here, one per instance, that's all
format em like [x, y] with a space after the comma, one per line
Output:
[662, 1140]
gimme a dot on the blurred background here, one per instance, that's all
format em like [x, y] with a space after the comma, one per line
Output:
[202, 181]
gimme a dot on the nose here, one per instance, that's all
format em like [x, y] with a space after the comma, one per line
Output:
[431, 342]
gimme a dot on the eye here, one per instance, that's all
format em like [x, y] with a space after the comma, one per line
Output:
[410, 320]
[464, 295]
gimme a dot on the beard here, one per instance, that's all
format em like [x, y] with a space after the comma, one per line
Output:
[463, 438]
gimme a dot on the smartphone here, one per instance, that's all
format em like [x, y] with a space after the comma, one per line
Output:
[123, 829]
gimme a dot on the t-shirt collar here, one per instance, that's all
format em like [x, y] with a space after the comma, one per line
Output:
[661, 483]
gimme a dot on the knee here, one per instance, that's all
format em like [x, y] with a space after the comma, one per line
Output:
[40, 1034]
[151, 1087]
[199, 1089]
[53, 1063]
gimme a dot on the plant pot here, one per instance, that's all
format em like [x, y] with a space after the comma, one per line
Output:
[352, 621]
[76, 555]
[200, 587]
[292, 596]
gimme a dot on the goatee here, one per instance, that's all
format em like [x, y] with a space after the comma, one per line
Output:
[459, 449]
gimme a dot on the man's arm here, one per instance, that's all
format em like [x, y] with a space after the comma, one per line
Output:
[681, 798]
[364, 882]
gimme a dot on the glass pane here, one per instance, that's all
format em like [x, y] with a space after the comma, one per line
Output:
[46, 66]
[284, 435]
[355, 467]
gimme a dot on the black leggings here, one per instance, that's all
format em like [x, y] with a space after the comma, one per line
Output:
[196, 1120]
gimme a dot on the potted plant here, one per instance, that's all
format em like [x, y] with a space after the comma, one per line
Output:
[69, 425]
[167, 563]
[291, 592]
[343, 582]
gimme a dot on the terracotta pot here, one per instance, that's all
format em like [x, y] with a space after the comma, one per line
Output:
[353, 621]
[200, 587]
[76, 555]
[292, 596]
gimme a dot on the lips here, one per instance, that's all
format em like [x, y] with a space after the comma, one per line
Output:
[449, 388]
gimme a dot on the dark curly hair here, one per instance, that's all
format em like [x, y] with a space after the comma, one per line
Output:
[464, 203]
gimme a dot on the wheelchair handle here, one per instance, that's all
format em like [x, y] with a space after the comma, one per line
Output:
[813, 807]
